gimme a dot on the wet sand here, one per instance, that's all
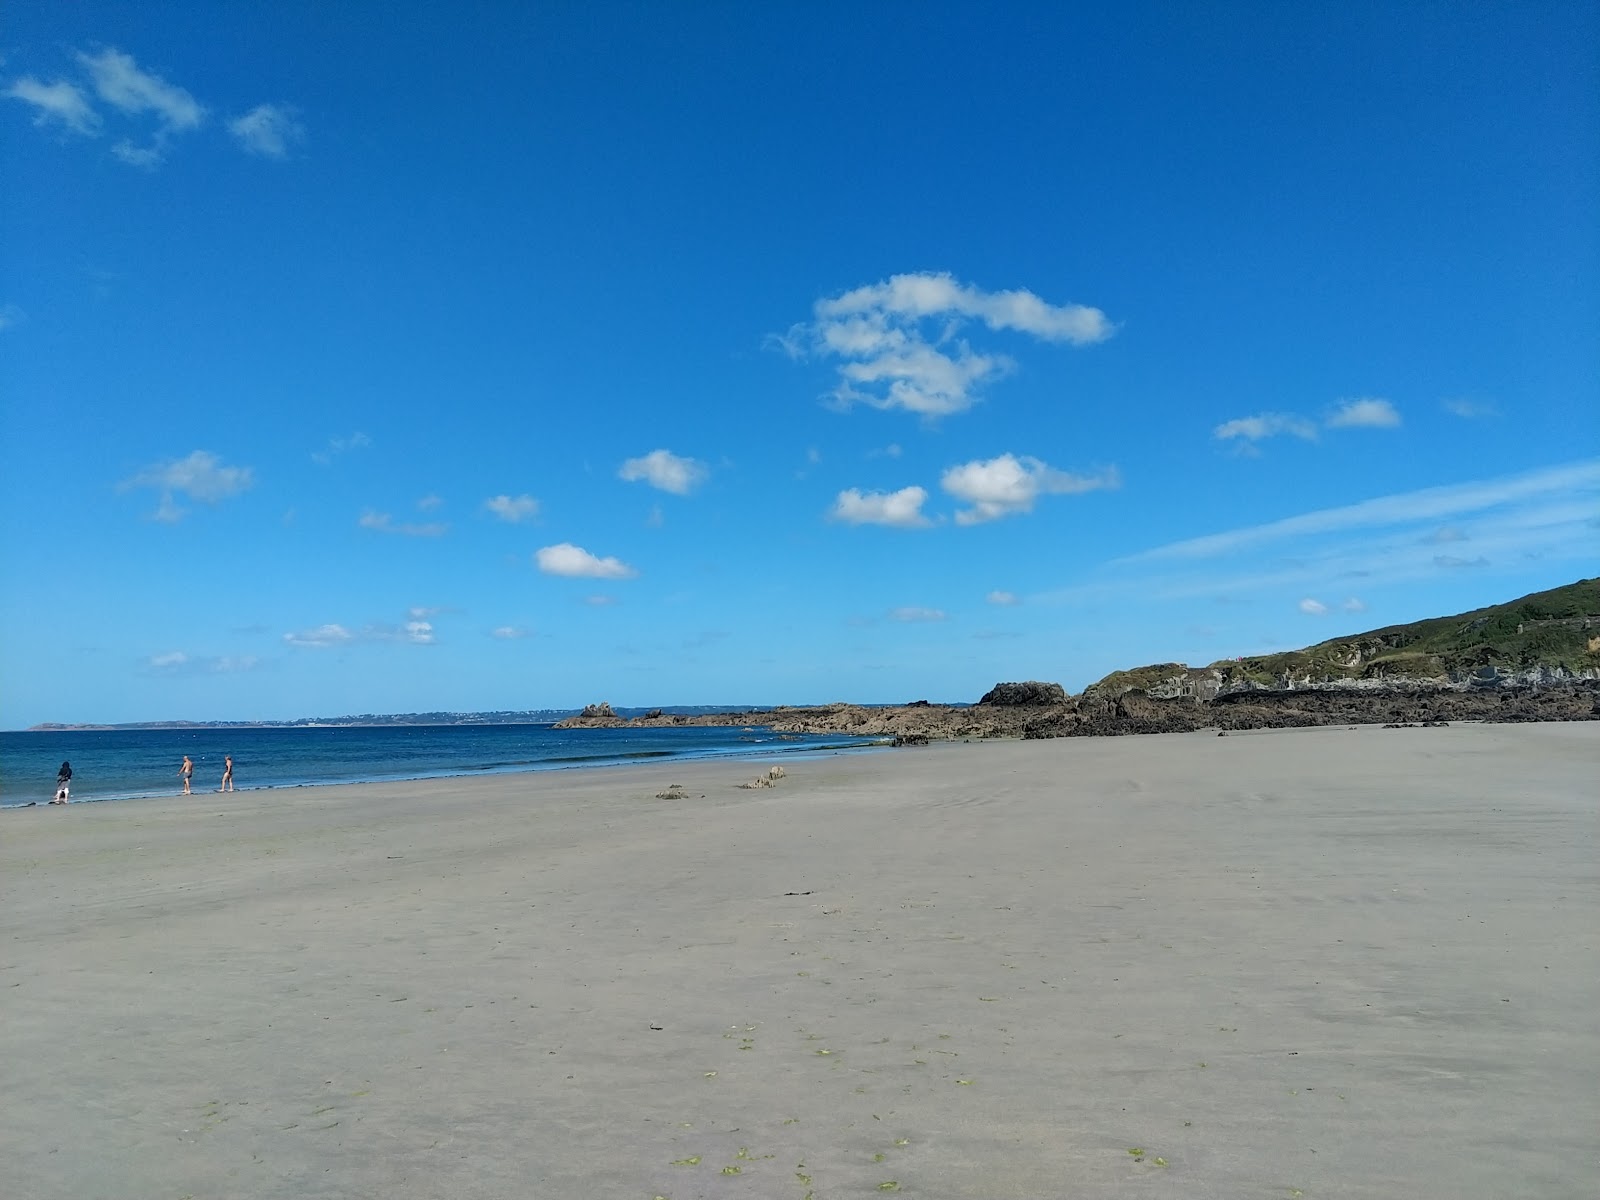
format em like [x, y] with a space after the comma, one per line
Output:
[1318, 963]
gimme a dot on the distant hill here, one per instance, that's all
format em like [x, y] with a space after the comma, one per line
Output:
[1555, 632]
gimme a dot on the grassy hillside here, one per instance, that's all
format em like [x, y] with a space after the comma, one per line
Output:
[1557, 628]
[1545, 629]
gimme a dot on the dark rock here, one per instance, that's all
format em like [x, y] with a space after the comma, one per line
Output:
[1024, 695]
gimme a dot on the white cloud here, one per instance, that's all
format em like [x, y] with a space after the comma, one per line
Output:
[10, 317]
[513, 508]
[382, 522]
[914, 615]
[1368, 413]
[201, 476]
[1005, 599]
[1313, 608]
[321, 637]
[1266, 425]
[176, 662]
[340, 445]
[577, 563]
[1353, 604]
[1427, 504]
[120, 82]
[1008, 485]
[510, 633]
[1469, 409]
[888, 359]
[664, 470]
[429, 502]
[1365, 413]
[268, 130]
[599, 601]
[60, 103]
[902, 509]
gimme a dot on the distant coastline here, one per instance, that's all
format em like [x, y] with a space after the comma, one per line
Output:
[532, 716]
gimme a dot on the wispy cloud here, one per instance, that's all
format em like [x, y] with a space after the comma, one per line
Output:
[143, 111]
[1426, 505]
[1265, 425]
[268, 130]
[382, 522]
[60, 104]
[323, 637]
[511, 633]
[10, 317]
[177, 662]
[1004, 599]
[1546, 514]
[1008, 485]
[898, 343]
[340, 445]
[1365, 413]
[665, 470]
[913, 615]
[513, 508]
[577, 563]
[1313, 608]
[901, 510]
[1469, 409]
[201, 476]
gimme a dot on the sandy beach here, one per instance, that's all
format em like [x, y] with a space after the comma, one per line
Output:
[1297, 963]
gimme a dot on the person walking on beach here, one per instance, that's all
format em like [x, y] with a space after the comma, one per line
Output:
[185, 772]
[63, 783]
[227, 773]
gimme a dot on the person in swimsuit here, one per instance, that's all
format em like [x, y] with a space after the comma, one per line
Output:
[184, 773]
[63, 783]
[227, 773]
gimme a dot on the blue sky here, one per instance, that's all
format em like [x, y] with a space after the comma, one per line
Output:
[363, 359]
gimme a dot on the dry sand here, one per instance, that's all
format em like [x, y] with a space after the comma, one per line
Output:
[1320, 963]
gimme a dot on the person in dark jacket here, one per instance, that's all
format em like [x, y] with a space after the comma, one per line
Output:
[63, 783]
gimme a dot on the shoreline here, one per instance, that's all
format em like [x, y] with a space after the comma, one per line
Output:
[1342, 962]
[753, 752]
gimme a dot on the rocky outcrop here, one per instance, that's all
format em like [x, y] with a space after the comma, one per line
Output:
[1024, 695]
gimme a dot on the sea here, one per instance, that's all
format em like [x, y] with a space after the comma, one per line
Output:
[132, 764]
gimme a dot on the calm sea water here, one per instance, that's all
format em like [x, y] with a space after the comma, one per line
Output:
[121, 764]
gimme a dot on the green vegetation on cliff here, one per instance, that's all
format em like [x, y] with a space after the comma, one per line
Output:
[1559, 628]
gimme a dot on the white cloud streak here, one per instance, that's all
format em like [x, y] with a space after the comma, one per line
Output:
[1265, 425]
[664, 470]
[325, 637]
[1008, 485]
[1428, 504]
[513, 508]
[887, 357]
[1313, 608]
[575, 562]
[59, 103]
[900, 510]
[121, 83]
[382, 522]
[267, 130]
[913, 615]
[1004, 599]
[201, 476]
[1365, 413]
